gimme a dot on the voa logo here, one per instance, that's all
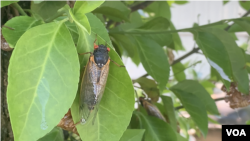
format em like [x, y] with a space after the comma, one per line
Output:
[236, 132]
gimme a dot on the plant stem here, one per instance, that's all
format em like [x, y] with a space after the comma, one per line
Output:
[19, 8]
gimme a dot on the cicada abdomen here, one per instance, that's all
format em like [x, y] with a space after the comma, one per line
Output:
[94, 82]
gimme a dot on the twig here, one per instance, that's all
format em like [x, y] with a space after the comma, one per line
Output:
[218, 99]
[19, 8]
[141, 6]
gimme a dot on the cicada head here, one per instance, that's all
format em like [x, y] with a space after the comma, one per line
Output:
[101, 55]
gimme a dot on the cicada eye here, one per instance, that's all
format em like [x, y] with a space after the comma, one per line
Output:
[108, 49]
[96, 46]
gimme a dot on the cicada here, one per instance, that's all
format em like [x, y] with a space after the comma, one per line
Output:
[151, 109]
[94, 81]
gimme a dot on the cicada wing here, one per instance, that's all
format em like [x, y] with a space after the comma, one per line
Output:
[92, 88]
[100, 86]
[87, 94]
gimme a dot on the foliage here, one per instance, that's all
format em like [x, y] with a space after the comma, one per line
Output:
[45, 69]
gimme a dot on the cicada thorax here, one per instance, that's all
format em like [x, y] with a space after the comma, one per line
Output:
[94, 82]
[151, 109]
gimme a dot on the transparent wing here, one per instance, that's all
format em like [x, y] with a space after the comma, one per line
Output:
[92, 88]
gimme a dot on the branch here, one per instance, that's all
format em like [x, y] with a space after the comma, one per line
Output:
[218, 99]
[141, 6]
[19, 8]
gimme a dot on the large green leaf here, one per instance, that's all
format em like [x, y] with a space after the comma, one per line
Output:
[82, 7]
[195, 108]
[47, 9]
[117, 104]
[169, 108]
[156, 129]
[55, 135]
[245, 4]
[20, 25]
[132, 135]
[5, 3]
[224, 55]
[197, 89]
[154, 60]
[42, 83]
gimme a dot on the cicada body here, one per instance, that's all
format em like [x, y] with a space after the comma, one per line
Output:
[151, 109]
[93, 82]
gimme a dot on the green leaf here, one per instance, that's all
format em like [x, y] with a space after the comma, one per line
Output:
[47, 9]
[42, 83]
[38, 1]
[248, 122]
[55, 135]
[245, 4]
[73, 30]
[24, 23]
[247, 56]
[132, 135]
[169, 108]
[244, 24]
[197, 89]
[194, 106]
[178, 70]
[117, 103]
[154, 60]
[160, 9]
[156, 129]
[209, 86]
[82, 22]
[225, 2]
[5, 3]
[181, 2]
[176, 44]
[224, 55]
[111, 12]
[82, 7]
[150, 88]
[114, 10]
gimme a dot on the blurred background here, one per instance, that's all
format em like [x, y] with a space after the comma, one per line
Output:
[204, 12]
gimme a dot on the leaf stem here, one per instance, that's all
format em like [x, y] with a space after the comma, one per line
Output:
[19, 8]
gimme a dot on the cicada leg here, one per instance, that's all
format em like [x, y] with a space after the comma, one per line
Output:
[116, 63]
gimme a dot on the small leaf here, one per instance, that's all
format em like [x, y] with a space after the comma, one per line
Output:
[114, 10]
[154, 60]
[24, 23]
[55, 135]
[194, 107]
[224, 55]
[181, 2]
[178, 70]
[150, 88]
[47, 9]
[225, 2]
[132, 135]
[160, 9]
[82, 7]
[81, 21]
[245, 4]
[169, 108]
[244, 24]
[156, 129]
[49, 65]
[5, 3]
